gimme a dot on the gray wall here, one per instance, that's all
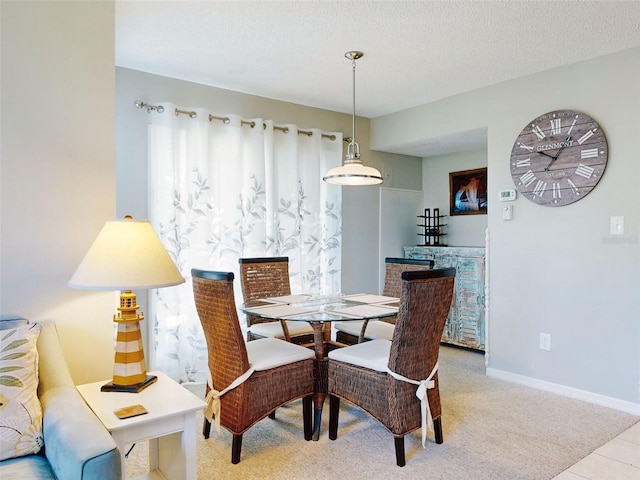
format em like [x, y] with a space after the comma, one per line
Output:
[556, 270]
[57, 170]
[462, 230]
[360, 205]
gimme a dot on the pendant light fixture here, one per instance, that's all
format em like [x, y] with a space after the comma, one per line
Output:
[352, 171]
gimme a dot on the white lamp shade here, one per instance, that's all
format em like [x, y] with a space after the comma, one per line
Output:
[355, 174]
[127, 254]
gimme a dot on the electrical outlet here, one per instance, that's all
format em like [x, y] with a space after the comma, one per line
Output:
[545, 341]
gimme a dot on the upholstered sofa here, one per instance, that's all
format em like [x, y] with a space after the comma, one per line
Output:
[76, 446]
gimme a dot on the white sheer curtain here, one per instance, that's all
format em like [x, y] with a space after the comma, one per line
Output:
[221, 190]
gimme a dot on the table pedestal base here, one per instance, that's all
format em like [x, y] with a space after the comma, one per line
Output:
[321, 388]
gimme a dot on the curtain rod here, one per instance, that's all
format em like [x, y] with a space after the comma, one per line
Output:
[226, 120]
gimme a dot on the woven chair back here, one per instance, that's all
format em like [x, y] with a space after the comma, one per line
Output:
[393, 271]
[215, 304]
[263, 277]
[425, 301]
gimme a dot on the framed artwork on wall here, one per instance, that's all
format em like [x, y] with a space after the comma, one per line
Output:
[468, 192]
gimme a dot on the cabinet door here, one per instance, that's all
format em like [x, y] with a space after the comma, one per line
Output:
[470, 302]
[450, 331]
[465, 323]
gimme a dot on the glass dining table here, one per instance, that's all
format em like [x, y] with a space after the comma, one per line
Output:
[320, 311]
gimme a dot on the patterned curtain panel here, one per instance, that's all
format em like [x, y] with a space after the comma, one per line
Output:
[222, 190]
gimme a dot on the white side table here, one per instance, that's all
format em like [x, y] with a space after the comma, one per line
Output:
[170, 425]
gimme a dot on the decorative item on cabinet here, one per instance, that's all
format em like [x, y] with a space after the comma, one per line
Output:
[432, 227]
[465, 325]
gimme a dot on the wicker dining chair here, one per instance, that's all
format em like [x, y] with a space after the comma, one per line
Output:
[382, 376]
[248, 380]
[350, 333]
[393, 272]
[269, 277]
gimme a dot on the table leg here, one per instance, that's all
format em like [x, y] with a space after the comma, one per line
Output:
[154, 455]
[320, 374]
[120, 440]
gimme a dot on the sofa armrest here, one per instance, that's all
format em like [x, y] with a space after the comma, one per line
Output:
[77, 445]
[52, 366]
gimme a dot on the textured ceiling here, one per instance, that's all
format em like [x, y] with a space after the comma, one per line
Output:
[415, 52]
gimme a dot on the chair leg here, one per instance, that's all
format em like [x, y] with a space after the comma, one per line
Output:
[236, 448]
[272, 415]
[307, 417]
[206, 428]
[285, 331]
[437, 427]
[400, 461]
[334, 410]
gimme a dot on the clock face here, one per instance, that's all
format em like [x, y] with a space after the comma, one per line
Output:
[558, 158]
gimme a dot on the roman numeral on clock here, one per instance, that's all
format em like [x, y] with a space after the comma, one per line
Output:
[526, 162]
[557, 193]
[585, 137]
[584, 170]
[540, 188]
[573, 187]
[528, 178]
[538, 131]
[589, 153]
[526, 147]
[556, 126]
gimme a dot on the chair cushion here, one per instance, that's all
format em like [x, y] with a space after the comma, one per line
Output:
[274, 329]
[266, 353]
[20, 409]
[375, 329]
[373, 354]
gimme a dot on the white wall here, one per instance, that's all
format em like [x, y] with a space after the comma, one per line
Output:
[360, 205]
[462, 230]
[557, 270]
[57, 171]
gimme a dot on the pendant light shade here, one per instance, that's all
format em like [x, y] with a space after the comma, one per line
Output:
[353, 171]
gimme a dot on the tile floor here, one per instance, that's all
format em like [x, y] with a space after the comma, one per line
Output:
[617, 460]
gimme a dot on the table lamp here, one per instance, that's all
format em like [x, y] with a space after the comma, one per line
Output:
[127, 254]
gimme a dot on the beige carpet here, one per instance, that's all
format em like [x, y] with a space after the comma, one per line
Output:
[492, 430]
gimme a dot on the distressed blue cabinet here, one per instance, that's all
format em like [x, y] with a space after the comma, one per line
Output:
[465, 324]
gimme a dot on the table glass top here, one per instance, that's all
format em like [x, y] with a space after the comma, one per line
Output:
[326, 308]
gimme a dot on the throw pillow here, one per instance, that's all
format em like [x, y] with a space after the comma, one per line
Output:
[20, 409]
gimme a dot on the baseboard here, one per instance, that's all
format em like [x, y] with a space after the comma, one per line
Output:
[595, 398]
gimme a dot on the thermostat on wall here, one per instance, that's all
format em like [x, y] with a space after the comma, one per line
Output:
[507, 195]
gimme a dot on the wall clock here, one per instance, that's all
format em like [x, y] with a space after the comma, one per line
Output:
[558, 158]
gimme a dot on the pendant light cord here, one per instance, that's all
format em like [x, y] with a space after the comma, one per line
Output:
[353, 118]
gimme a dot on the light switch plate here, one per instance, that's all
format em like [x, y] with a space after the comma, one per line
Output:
[507, 212]
[616, 226]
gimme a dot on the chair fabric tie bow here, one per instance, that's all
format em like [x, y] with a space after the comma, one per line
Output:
[212, 410]
[421, 393]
